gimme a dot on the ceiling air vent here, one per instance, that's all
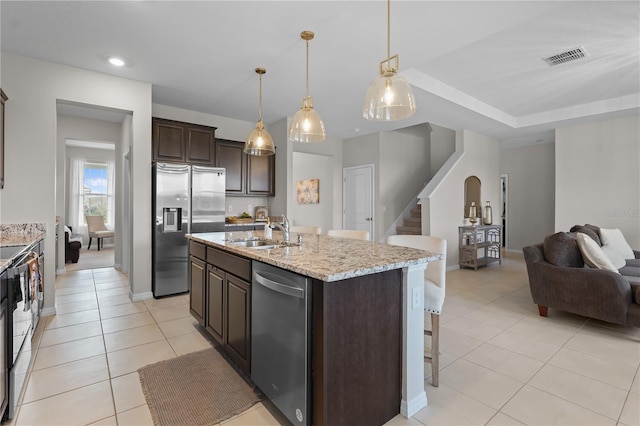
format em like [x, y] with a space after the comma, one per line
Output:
[568, 56]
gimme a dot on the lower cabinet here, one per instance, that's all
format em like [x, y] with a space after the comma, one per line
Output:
[197, 270]
[220, 299]
[216, 312]
[238, 301]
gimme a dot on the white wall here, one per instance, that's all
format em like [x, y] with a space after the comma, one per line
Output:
[531, 197]
[598, 176]
[313, 166]
[405, 159]
[332, 149]
[34, 87]
[482, 159]
[443, 145]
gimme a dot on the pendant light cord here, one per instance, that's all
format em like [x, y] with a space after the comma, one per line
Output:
[388, 28]
[307, 41]
[260, 100]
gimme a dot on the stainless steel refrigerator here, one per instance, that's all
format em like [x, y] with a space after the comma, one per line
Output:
[186, 199]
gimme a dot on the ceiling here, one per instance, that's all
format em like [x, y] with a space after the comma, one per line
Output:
[473, 64]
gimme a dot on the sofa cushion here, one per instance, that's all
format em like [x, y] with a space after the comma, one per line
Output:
[593, 254]
[561, 249]
[616, 247]
[633, 262]
[588, 229]
[630, 271]
[635, 290]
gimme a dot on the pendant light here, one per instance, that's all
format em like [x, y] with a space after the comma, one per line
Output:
[259, 141]
[306, 125]
[389, 96]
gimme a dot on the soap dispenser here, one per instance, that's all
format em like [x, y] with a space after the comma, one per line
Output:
[268, 229]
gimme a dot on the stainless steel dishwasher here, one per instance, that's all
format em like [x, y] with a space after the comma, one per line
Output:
[280, 324]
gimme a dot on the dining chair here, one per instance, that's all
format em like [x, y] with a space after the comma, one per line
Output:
[434, 289]
[302, 229]
[349, 233]
[97, 229]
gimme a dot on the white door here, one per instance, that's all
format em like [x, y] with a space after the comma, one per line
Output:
[357, 198]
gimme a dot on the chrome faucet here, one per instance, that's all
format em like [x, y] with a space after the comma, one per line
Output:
[284, 227]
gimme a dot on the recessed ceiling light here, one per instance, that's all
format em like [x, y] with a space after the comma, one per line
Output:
[116, 61]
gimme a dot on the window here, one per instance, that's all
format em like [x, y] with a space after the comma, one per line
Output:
[96, 199]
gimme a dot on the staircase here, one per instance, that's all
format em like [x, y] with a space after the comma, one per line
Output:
[411, 225]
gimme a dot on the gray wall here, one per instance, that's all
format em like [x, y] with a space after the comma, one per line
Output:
[598, 176]
[531, 195]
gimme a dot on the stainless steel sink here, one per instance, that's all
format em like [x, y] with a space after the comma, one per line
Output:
[253, 243]
[260, 244]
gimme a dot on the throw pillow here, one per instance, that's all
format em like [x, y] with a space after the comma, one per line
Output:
[561, 249]
[616, 247]
[593, 254]
[587, 229]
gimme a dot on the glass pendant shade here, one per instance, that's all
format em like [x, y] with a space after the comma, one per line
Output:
[306, 126]
[389, 98]
[259, 141]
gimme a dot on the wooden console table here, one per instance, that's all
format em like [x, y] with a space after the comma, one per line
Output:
[479, 245]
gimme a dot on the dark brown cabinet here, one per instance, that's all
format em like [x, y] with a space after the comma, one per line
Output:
[197, 279]
[230, 155]
[246, 174]
[216, 311]
[220, 299]
[175, 141]
[238, 301]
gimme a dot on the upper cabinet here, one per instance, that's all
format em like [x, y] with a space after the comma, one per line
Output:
[246, 174]
[175, 141]
[3, 98]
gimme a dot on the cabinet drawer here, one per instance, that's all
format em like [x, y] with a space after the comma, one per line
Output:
[236, 265]
[197, 250]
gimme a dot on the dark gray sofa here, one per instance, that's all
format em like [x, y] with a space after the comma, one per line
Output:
[560, 280]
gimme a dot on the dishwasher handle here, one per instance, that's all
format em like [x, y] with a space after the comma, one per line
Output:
[278, 287]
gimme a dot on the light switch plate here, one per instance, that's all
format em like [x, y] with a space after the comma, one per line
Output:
[415, 303]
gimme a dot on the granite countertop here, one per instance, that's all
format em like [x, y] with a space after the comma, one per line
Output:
[17, 240]
[320, 256]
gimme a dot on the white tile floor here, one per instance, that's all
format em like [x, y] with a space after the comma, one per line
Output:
[501, 364]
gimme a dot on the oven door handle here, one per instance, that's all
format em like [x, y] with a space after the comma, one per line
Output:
[23, 265]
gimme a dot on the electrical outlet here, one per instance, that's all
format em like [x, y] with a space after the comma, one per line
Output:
[230, 208]
[415, 303]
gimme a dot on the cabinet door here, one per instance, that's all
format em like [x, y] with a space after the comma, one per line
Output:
[261, 175]
[230, 155]
[168, 141]
[196, 290]
[239, 321]
[215, 303]
[200, 145]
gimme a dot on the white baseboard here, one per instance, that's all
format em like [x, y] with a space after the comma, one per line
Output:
[452, 268]
[61, 271]
[47, 312]
[409, 408]
[140, 296]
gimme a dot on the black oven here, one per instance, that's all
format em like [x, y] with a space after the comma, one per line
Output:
[4, 345]
[22, 298]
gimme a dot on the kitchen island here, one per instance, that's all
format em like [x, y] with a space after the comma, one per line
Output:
[366, 335]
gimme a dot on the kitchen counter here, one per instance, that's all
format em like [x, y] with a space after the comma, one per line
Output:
[19, 235]
[367, 326]
[322, 257]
